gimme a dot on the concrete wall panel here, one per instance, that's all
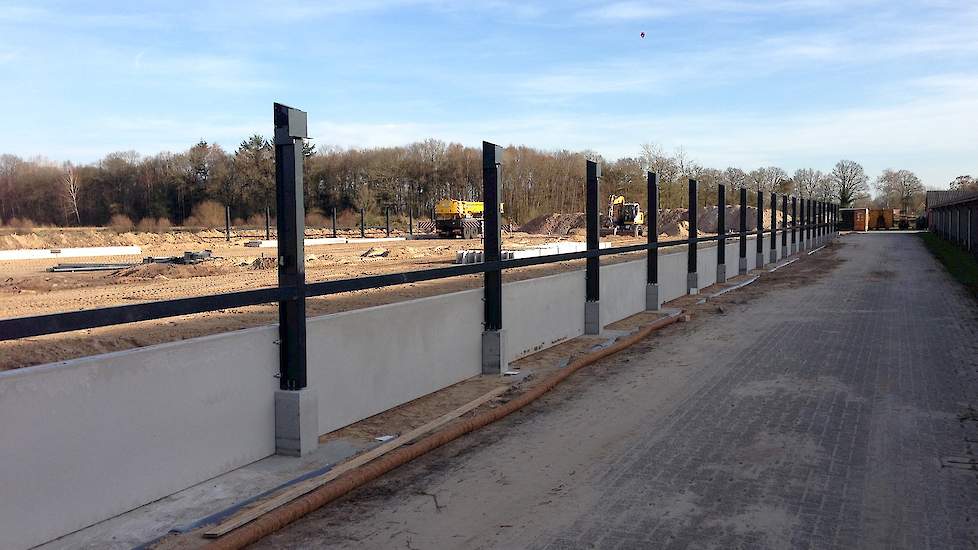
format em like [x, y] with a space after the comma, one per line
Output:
[366, 361]
[538, 313]
[84, 440]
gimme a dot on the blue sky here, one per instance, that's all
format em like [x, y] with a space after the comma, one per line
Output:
[793, 83]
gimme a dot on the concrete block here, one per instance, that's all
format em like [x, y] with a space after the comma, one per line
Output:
[692, 283]
[494, 352]
[296, 422]
[794, 248]
[774, 255]
[742, 266]
[721, 273]
[760, 260]
[592, 318]
[652, 302]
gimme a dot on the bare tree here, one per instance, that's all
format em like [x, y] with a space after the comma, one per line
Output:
[900, 187]
[850, 181]
[967, 183]
[809, 182]
[72, 188]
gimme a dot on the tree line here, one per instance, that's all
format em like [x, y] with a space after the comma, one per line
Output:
[193, 187]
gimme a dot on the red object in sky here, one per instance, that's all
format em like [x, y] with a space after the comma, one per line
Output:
[642, 34]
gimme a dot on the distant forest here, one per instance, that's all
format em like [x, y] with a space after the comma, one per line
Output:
[192, 187]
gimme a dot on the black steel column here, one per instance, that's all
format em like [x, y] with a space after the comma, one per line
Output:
[808, 223]
[411, 221]
[387, 220]
[652, 236]
[774, 228]
[721, 232]
[692, 276]
[334, 221]
[290, 129]
[362, 232]
[227, 223]
[268, 217]
[591, 217]
[784, 225]
[492, 156]
[743, 231]
[794, 224]
[760, 229]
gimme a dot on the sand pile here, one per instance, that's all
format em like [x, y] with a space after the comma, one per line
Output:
[172, 271]
[553, 224]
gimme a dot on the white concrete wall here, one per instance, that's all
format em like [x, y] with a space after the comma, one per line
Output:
[366, 361]
[94, 251]
[84, 440]
[87, 439]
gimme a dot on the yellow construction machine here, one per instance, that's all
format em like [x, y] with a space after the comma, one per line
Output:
[457, 218]
[623, 217]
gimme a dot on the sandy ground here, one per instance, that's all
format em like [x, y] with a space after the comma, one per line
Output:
[27, 289]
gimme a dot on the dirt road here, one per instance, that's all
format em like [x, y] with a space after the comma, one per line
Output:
[822, 407]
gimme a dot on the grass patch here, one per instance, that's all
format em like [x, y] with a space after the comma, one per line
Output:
[958, 262]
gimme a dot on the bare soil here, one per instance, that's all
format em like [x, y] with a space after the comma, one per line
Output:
[26, 289]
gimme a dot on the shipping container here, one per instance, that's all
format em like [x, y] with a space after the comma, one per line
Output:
[854, 219]
[880, 218]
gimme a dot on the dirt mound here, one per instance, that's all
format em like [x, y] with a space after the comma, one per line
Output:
[375, 252]
[171, 271]
[263, 263]
[554, 224]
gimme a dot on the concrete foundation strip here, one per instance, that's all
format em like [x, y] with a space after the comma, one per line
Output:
[777, 267]
[295, 491]
[728, 289]
[816, 250]
[291, 511]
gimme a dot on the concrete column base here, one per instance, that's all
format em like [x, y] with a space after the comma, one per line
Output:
[494, 352]
[652, 302]
[296, 422]
[794, 248]
[592, 317]
[760, 260]
[774, 255]
[693, 283]
[721, 273]
[742, 266]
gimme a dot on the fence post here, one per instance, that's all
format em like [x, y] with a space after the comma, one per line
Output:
[410, 221]
[794, 225]
[362, 232]
[592, 308]
[268, 217]
[387, 220]
[774, 228]
[692, 277]
[760, 229]
[784, 225]
[807, 230]
[227, 223]
[493, 335]
[296, 407]
[721, 234]
[742, 268]
[652, 302]
[334, 221]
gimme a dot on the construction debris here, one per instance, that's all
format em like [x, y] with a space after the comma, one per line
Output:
[375, 252]
[188, 258]
[75, 268]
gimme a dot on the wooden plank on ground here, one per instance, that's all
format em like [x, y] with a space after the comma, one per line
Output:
[257, 509]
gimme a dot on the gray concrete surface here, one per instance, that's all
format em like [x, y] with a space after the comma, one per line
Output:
[823, 415]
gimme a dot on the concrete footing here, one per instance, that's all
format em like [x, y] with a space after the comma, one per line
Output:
[296, 422]
[760, 260]
[592, 318]
[721, 273]
[494, 352]
[693, 283]
[742, 266]
[794, 248]
[774, 255]
[652, 302]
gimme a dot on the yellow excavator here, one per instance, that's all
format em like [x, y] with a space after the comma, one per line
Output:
[623, 217]
[456, 218]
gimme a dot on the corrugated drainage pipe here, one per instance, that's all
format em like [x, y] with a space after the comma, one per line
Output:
[280, 517]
